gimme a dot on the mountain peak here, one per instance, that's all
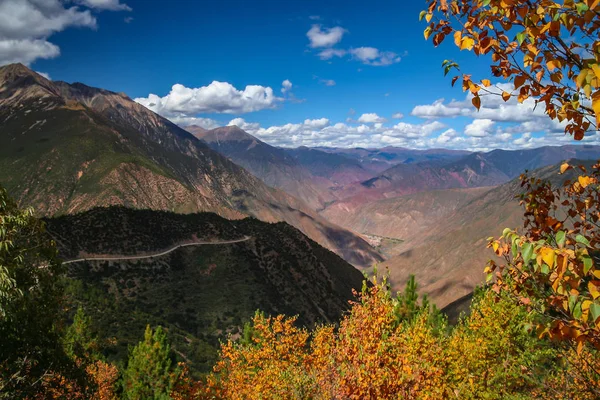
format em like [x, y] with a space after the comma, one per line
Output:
[226, 133]
[18, 72]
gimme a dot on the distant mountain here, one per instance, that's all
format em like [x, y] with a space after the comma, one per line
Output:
[338, 169]
[195, 130]
[448, 257]
[472, 170]
[200, 294]
[404, 217]
[378, 160]
[70, 147]
[274, 166]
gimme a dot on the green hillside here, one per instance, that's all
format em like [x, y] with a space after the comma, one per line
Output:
[201, 294]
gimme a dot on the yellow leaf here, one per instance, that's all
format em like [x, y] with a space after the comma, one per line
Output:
[427, 33]
[596, 107]
[564, 167]
[486, 82]
[593, 290]
[547, 256]
[457, 38]
[552, 65]
[584, 181]
[596, 69]
[467, 43]
[581, 77]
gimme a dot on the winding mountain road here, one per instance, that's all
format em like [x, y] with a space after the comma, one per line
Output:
[162, 253]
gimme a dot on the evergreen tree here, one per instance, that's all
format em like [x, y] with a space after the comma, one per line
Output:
[79, 340]
[149, 374]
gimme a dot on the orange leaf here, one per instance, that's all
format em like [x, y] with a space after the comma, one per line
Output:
[564, 167]
[486, 82]
[476, 102]
[505, 96]
[519, 81]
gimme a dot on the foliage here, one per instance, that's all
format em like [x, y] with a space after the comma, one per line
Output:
[79, 340]
[553, 266]
[373, 354]
[491, 354]
[549, 49]
[30, 301]
[407, 305]
[149, 374]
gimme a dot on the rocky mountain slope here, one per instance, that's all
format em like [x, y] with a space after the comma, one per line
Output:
[404, 217]
[70, 147]
[203, 293]
[449, 256]
[272, 165]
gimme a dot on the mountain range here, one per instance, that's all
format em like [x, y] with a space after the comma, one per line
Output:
[71, 147]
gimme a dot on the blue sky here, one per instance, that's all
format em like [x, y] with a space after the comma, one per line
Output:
[352, 66]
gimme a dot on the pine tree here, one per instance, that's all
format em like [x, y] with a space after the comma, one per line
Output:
[79, 340]
[149, 374]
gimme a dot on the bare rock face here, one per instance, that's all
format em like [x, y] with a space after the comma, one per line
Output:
[70, 147]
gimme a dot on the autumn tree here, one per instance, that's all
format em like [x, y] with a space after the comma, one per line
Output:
[552, 267]
[149, 373]
[550, 50]
[372, 354]
[30, 304]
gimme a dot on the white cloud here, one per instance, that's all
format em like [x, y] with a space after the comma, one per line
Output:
[373, 56]
[398, 115]
[446, 136]
[218, 97]
[492, 107]
[479, 135]
[44, 74]
[26, 25]
[249, 127]
[328, 54]
[479, 128]
[316, 123]
[438, 110]
[286, 86]
[326, 37]
[320, 132]
[112, 5]
[327, 82]
[26, 51]
[370, 118]
[206, 123]
[128, 20]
